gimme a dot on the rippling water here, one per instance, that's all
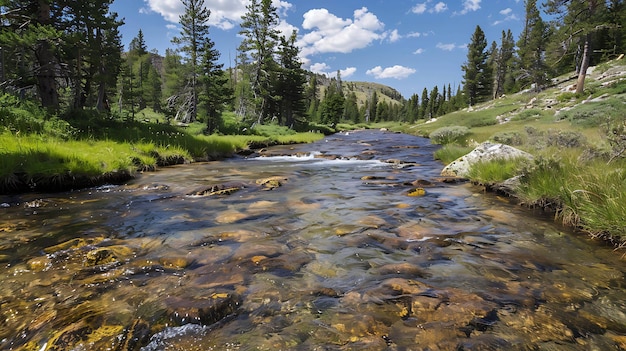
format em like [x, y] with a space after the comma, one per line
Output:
[351, 243]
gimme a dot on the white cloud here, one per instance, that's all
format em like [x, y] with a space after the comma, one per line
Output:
[345, 73]
[419, 8]
[319, 68]
[508, 16]
[446, 47]
[225, 14]
[323, 68]
[439, 7]
[171, 26]
[396, 72]
[419, 51]
[394, 36]
[470, 6]
[424, 6]
[329, 33]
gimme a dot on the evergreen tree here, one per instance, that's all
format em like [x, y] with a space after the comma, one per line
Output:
[260, 40]
[351, 109]
[195, 30]
[412, 108]
[477, 74]
[373, 108]
[291, 82]
[331, 109]
[138, 44]
[580, 24]
[87, 44]
[433, 102]
[503, 63]
[216, 92]
[312, 100]
[532, 47]
[28, 34]
[424, 107]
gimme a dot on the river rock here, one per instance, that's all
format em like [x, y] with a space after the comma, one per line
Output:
[486, 151]
[201, 310]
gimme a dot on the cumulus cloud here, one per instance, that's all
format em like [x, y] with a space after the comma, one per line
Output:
[324, 69]
[394, 36]
[425, 6]
[345, 73]
[439, 7]
[470, 6]
[396, 72]
[448, 47]
[419, 8]
[419, 51]
[508, 16]
[331, 34]
[225, 14]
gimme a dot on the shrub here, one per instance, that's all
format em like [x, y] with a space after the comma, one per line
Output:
[449, 135]
[508, 138]
[565, 139]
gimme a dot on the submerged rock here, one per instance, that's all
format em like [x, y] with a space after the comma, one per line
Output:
[486, 151]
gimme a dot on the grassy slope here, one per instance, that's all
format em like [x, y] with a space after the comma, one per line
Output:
[575, 173]
[56, 155]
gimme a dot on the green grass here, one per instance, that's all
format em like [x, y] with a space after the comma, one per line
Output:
[496, 171]
[451, 152]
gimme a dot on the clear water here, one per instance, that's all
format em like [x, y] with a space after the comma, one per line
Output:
[312, 247]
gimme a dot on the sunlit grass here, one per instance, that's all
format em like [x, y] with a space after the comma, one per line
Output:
[495, 171]
[451, 152]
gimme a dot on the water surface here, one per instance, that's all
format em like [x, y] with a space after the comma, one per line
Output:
[350, 243]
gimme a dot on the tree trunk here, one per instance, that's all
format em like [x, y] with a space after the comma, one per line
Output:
[46, 75]
[580, 84]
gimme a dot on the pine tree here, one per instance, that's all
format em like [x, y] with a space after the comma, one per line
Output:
[477, 76]
[138, 44]
[291, 82]
[503, 63]
[580, 23]
[532, 68]
[312, 100]
[331, 109]
[195, 30]
[216, 92]
[260, 40]
[424, 107]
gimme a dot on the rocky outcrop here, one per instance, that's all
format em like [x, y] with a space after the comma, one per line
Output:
[486, 151]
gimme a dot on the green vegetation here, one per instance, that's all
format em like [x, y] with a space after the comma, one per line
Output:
[579, 146]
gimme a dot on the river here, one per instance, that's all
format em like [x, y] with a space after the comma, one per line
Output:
[349, 243]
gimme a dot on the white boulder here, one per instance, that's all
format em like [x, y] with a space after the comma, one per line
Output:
[486, 151]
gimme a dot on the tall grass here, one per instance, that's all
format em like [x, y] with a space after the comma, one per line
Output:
[587, 195]
[496, 171]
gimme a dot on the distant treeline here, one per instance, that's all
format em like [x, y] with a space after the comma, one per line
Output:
[68, 56]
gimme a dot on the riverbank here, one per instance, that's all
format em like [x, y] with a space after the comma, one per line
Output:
[52, 154]
[578, 142]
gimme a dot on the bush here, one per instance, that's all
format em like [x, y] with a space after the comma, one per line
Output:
[508, 138]
[565, 139]
[449, 135]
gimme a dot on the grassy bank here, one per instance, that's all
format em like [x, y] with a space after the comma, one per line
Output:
[578, 141]
[47, 153]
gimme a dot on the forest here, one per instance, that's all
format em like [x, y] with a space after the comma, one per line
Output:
[68, 57]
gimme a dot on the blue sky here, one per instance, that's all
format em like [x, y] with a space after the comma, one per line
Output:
[405, 44]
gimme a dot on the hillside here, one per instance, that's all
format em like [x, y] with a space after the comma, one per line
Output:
[363, 90]
[578, 142]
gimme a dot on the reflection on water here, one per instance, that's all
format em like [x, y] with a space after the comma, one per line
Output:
[312, 247]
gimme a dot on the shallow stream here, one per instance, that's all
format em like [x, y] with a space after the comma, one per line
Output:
[350, 243]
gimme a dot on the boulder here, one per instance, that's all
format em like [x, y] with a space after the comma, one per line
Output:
[486, 151]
